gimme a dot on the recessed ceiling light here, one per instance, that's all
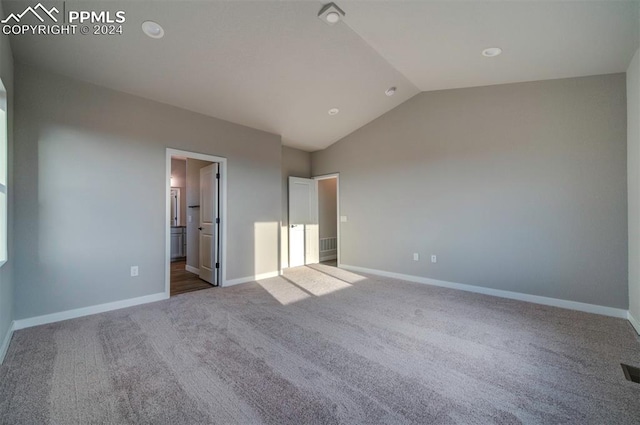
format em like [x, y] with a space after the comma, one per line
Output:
[334, 111]
[390, 91]
[491, 52]
[152, 29]
[330, 14]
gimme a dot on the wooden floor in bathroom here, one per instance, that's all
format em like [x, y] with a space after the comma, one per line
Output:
[183, 281]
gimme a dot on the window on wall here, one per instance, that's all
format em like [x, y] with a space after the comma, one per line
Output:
[3, 175]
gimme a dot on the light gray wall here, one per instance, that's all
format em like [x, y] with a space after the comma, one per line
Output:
[90, 192]
[179, 174]
[633, 169]
[518, 187]
[193, 198]
[295, 163]
[6, 272]
[327, 208]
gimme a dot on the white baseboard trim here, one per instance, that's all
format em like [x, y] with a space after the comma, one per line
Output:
[86, 311]
[6, 341]
[240, 280]
[634, 322]
[328, 257]
[536, 299]
[192, 269]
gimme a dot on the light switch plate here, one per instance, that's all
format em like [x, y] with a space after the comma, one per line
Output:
[343, 218]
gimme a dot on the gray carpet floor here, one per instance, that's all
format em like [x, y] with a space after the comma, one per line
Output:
[323, 345]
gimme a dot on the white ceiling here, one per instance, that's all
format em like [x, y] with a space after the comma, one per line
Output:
[274, 66]
[437, 45]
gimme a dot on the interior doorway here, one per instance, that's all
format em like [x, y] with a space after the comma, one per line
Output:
[328, 219]
[196, 210]
[314, 230]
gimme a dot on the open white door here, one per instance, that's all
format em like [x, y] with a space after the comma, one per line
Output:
[303, 222]
[209, 224]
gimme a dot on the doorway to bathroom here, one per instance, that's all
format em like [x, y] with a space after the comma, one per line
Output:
[195, 217]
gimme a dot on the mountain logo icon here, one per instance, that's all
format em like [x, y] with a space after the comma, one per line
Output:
[34, 11]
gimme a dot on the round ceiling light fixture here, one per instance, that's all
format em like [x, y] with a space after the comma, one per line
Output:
[491, 52]
[334, 111]
[331, 14]
[390, 91]
[152, 29]
[332, 17]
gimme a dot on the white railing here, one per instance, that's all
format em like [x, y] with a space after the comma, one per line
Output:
[328, 244]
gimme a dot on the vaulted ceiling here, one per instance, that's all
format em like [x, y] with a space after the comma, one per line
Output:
[274, 66]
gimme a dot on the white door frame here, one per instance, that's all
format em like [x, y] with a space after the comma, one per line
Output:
[223, 212]
[337, 177]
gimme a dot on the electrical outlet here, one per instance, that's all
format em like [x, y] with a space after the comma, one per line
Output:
[416, 256]
[434, 259]
[134, 271]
